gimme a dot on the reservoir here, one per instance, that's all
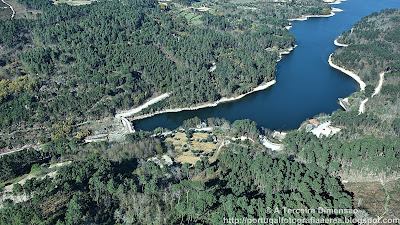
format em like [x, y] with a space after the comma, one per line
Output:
[305, 83]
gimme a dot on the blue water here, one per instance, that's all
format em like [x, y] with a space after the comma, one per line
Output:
[306, 84]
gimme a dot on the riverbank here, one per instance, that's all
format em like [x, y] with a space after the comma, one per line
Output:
[136, 110]
[207, 105]
[348, 72]
[334, 2]
[306, 17]
[132, 112]
[224, 100]
[339, 44]
[286, 52]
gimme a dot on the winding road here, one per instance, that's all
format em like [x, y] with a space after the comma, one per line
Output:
[376, 91]
[12, 9]
[127, 124]
[379, 87]
[361, 109]
[133, 111]
[5, 152]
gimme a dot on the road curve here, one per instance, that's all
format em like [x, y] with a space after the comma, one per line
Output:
[362, 106]
[12, 9]
[127, 124]
[5, 152]
[379, 87]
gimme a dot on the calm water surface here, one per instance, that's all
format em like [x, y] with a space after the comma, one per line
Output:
[306, 84]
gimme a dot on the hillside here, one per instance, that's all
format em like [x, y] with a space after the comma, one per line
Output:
[66, 73]
[145, 181]
[87, 62]
[366, 151]
[373, 53]
[367, 145]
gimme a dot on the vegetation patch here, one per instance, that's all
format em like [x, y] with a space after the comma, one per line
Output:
[377, 199]
[193, 147]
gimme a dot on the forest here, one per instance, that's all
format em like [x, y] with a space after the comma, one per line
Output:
[76, 63]
[372, 45]
[374, 48]
[87, 62]
[103, 186]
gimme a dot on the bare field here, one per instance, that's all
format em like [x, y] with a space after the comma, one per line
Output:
[374, 198]
[182, 144]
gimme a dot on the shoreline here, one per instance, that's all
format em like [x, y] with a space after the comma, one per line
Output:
[335, 42]
[286, 52]
[131, 112]
[306, 17]
[224, 99]
[348, 72]
[207, 105]
[334, 2]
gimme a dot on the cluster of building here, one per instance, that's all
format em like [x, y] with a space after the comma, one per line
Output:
[319, 129]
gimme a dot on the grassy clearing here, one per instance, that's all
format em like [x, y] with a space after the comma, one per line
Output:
[196, 20]
[191, 17]
[191, 149]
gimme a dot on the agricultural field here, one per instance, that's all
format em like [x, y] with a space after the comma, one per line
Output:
[192, 149]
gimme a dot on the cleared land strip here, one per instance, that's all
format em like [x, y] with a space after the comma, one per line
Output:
[361, 109]
[133, 111]
[379, 87]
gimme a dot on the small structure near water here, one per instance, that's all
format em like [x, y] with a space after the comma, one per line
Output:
[344, 102]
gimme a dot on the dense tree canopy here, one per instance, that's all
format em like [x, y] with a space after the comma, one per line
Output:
[90, 61]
